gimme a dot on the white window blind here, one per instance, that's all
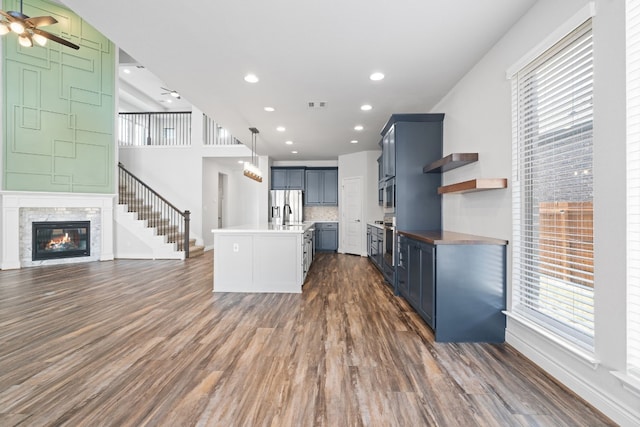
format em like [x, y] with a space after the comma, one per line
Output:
[633, 187]
[553, 189]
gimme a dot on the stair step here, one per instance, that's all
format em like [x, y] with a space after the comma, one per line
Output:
[196, 251]
[156, 222]
[180, 244]
[149, 215]
[167, 229]
[175, 238]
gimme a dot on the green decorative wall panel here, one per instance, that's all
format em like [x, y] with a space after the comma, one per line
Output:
[59, 107]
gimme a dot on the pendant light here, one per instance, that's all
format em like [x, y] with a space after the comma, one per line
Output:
[251, 169]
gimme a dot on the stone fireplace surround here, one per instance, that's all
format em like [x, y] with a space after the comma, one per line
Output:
[19, 209]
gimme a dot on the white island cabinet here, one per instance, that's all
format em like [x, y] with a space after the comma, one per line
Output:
[262, 258]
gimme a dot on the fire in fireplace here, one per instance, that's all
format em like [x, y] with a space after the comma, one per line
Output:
[60, 239]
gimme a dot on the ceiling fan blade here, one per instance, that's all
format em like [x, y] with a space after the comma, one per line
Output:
[41, 21]
[55, 38]
[6, 15]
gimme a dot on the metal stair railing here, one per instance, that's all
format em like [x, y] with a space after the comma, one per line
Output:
[155, 209]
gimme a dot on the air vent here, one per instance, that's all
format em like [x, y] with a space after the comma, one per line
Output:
[139, 66]
[317, 104]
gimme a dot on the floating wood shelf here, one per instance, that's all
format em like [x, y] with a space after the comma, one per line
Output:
[452, 161]
[474, 185]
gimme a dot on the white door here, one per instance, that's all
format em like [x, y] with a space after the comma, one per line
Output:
[352, 225]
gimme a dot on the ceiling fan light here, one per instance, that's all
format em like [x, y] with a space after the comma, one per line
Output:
[4, 28]
[25, 41]
[41, 40]
[17, 27]
[175, 94]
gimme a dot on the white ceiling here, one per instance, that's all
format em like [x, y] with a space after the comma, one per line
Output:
[306, 51]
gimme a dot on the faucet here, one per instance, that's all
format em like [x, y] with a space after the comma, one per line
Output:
[286, 211]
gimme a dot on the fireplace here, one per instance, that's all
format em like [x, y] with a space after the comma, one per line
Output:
[60, 239]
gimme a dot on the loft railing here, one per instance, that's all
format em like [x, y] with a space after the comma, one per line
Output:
[155, 129]
[214, 134]
[155, 209]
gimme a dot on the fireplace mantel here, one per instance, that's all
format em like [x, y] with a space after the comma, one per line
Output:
[11, 202]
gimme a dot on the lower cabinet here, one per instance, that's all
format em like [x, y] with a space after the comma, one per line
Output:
[326, 236]
[458, 289]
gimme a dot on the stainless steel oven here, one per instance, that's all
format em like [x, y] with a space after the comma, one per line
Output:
[389, 254]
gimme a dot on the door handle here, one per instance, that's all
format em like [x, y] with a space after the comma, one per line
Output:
[357, 220]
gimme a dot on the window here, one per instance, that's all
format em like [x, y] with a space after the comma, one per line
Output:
[633, 187]
[553, 189]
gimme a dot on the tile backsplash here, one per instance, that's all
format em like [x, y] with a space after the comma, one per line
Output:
[320, 213]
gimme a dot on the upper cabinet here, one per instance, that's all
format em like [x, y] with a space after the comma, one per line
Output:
[321, 187]
[408, 140]
[389, 153]
[287, 178]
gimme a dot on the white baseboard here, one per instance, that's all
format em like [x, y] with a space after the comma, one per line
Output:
[594, 394]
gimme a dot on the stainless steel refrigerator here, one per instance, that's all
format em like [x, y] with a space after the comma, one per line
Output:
[285, 206]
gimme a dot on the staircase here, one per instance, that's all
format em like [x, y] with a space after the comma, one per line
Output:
[148, 226]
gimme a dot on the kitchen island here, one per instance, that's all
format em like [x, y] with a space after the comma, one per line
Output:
[262, 258]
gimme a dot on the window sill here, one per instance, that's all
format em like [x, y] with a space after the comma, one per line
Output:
[579, 353]
[629, 383]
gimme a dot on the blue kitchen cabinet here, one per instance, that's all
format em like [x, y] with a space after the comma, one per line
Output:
[456, 283]
[287, 178]
[408, 142]
[389, 153]
[326, 236]
[321, 187]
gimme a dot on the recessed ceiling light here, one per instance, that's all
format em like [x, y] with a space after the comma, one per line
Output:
[241, 161]
[126, 71]
[376, 76]
[358, 127]
[251, 78]
[168, 101]
[269, 109]
[281, 128]
[366, 107]
[294, 152]
[354, 141]
[289, 142]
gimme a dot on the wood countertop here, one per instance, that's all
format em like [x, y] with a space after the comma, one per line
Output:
[443, 237]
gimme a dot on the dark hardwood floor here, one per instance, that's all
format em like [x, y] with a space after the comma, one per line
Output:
[131, 343]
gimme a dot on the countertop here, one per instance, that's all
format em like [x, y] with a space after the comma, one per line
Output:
[373, 224]
[443, 237]
[267, 228]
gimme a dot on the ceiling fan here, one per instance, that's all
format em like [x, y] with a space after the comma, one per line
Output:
[173, 93]
[27, 28]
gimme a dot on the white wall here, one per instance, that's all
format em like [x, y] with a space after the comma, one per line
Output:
[362, 164]
[246, 199]
[478, 119]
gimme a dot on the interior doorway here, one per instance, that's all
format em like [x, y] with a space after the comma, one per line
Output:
[352, 225]
[223, 183]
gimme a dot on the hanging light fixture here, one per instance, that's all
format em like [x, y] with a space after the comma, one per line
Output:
[25, 40]
[4, 28]
[251, 169]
